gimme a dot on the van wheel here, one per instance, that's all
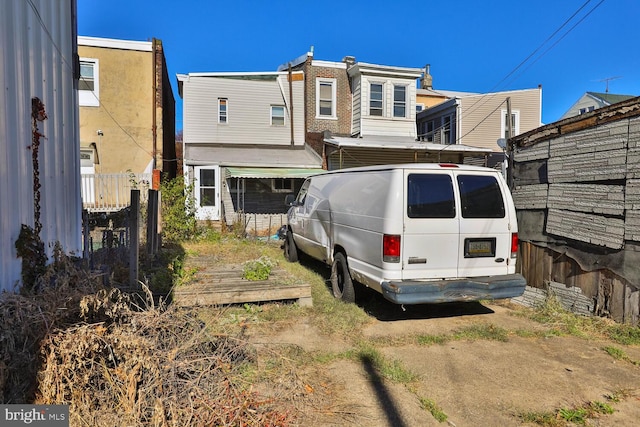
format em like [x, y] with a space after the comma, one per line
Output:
[341, 279]
[290, 250]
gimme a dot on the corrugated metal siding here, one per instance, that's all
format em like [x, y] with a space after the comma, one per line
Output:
[354, 157]
[249, 113]
[36, 57]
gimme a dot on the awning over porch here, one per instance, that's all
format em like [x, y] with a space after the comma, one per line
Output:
[242, 172]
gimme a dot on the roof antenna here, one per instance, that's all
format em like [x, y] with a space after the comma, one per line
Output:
[607, 80]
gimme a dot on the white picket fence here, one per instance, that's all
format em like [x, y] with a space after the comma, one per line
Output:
[112, 192]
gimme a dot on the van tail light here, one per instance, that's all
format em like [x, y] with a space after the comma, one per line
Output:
[391, 248]
[514, 245]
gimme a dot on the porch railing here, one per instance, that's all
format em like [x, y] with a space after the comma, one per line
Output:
[112, 192]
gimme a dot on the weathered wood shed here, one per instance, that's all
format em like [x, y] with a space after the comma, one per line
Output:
[576, 186]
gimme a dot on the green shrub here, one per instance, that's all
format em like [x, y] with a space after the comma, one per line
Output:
[178, 210]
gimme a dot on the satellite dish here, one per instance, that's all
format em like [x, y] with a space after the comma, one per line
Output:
[502, 143]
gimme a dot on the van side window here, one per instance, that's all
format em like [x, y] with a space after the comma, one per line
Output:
[302, 194]
[480, 197]
[430, 196]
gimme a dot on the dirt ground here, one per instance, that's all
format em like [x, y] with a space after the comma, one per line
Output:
[475, 383]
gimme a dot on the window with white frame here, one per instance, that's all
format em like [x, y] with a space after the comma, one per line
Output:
[399, 101]
[277, 115]
[447, 135]
[419, 107]
[375, 99]
[515, 123]
[326, 98]
[223, 110]
[89, 83]
[282, 185]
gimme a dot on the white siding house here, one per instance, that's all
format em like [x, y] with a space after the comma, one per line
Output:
[384, 100]
[38, 54]
[244, 141]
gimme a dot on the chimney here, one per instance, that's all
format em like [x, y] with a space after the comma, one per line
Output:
[426, 82]
[349, 60]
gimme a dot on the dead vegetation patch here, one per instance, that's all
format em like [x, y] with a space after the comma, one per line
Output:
[118, 358]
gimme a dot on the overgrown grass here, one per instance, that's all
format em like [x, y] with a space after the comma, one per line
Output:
[562, 322]
[577, 415]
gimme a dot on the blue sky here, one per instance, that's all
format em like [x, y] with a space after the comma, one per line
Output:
[471, 45]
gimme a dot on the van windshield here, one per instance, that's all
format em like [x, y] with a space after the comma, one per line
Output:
[480, 196]
[430, 196]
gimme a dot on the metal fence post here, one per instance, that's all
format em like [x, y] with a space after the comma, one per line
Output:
[134, 248]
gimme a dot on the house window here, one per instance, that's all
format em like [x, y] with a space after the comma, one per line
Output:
[447, 136]
[277, 115]
[282, 185]
[89, 84]
[222, 110]
[587, 110]
[515, 123]
[429, 130]
[419, 107]
[399, 101]
[375, 102]
[326, 98]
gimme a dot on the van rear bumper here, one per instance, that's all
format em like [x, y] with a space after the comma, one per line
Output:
[466, 289]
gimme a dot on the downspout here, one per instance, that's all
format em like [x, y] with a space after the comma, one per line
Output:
[291, 104]
[155, 98]
[284, 99]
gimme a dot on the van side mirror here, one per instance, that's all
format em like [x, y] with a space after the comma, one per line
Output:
[290, 200]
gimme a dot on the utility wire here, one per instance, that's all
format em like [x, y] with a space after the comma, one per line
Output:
[70, 68]
[486, 99]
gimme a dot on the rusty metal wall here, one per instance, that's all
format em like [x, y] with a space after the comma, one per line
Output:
[37, 57]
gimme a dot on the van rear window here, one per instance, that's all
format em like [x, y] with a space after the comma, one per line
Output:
[480, 196]
[430, 196]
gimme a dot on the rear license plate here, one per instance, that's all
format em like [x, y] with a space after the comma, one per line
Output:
[477, 248]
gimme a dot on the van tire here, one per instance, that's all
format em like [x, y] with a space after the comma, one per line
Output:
[341, 282]
[290, 250]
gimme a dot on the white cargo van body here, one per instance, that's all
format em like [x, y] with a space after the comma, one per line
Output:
[417, 233]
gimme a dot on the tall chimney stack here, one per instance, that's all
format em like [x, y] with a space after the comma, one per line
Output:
[426, 82]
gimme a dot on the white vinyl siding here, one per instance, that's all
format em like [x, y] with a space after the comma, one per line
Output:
[249, 102]
[385, 124]
[482, 116]
[356, 125]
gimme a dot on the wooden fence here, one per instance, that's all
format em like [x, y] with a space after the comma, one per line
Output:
[611, 295]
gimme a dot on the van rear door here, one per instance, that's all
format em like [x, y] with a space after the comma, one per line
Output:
[485, 235]
[430, 243]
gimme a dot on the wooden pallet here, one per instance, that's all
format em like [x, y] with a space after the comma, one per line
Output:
[220, 286]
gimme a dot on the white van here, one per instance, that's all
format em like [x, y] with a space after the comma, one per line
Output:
[417, 233]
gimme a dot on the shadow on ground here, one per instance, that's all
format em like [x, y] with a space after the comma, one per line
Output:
[375, 305]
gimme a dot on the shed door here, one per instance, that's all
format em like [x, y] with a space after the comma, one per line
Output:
[207, 192]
